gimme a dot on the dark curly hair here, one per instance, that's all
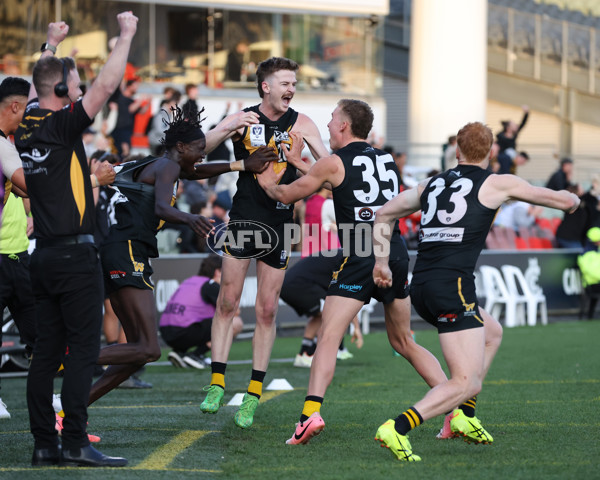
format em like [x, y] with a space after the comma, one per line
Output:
[181, 127]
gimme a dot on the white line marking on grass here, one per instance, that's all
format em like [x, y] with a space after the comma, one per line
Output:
[167, 453]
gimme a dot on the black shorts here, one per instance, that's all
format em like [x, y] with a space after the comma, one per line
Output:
[305, 300]
[449, 305]
[245, 239]
[126, 264]
[354, 279]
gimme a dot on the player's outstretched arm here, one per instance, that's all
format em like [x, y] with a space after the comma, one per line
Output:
[499, 188]
[113, 70]
[227, 127]
[328, 169]
[255, 163]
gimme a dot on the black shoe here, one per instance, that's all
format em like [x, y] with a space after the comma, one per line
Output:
[194, 360]
[43, 457]
[88, 457]
[134, 382]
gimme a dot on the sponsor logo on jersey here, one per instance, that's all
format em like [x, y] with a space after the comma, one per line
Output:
[365, 214]
[350, 288]
[36, 155]
[447, 318]
[116, 274]
[441, 234]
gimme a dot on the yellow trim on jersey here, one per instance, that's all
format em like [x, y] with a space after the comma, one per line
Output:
[161, 222]
[277, 167]
[335, 274]
[286, 264]
[77, 186]
[469, 307]
[138, 266]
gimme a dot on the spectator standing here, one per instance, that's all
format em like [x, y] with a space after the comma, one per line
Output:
[449, 157]
[507, 138]
[589, 264]
[561, 179]
[190, 107]
[319, 231]
[158, 122]
[128, 106]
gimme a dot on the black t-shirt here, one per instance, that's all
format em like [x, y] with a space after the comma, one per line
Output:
[250, 201]
[454, 224]
[56, 169]
[371, 179]
[209, 292]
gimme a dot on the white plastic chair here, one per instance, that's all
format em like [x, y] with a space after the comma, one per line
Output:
[517, 285]
[497, 294]
[364, 317]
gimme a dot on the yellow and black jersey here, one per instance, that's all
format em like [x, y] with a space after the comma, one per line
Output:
[454, 224]
[131, 209]
[56, 169]
[250, 202]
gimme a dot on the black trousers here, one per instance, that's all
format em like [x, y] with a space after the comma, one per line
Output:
[16, 294]
[182, 339]
[67, 284]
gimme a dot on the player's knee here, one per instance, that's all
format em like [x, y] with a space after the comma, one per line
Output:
[265, 313]
[227, 306]
[153, 354]
[402, 343]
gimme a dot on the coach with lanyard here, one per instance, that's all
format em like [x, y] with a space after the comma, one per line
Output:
[65, 267]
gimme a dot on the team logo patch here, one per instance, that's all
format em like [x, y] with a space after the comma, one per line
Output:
[257, 135]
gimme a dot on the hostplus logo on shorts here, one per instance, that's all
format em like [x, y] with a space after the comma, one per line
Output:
[251, 239]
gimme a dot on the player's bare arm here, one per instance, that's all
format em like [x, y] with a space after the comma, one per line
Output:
[111, 74]
[329, 169]
[499, 188]
[166, 173]
[57, 32]
[255, 163]
[228, 127]
[311, 135]
[104, 174]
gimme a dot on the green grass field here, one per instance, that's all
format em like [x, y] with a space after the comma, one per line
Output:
[540, 401]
